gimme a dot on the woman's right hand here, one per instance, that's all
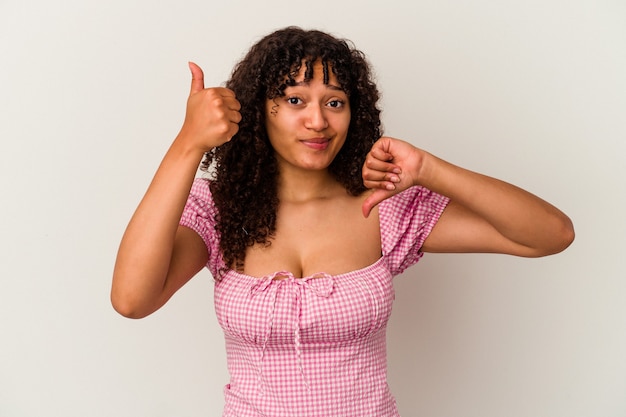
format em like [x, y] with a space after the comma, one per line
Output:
[212, 114]
[157, 256]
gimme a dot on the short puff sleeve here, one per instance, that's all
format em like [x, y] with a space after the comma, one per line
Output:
[406, 220]
[199, 215]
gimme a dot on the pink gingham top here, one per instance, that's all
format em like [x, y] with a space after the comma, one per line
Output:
[313, 346]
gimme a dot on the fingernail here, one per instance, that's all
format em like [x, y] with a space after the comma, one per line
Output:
[393, 178]
[390, 187]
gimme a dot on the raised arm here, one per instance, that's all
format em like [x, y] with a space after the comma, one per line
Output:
[157, 256]
[484, 213]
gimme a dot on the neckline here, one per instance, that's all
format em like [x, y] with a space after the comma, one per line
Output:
[365, 269]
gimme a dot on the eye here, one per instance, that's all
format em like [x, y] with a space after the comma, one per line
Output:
[335, 104]
[294, 100]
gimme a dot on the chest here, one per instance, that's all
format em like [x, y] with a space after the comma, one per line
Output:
[326, 309]
[333, 238]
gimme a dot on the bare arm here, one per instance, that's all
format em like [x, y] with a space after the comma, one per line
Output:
[484, 214]
[157, 256]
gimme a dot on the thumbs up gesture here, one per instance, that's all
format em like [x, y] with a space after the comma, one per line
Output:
[212, 113]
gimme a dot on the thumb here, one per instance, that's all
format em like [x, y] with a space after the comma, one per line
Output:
[197, 78]
[373, 200]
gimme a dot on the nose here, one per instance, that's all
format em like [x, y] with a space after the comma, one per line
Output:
[315, 118]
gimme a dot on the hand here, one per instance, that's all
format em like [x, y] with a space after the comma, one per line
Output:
[390, 167]
[212, 113]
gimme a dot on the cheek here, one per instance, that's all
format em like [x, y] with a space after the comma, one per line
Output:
[272, 118]
[273, 124]
[283, 123]
[343, 123]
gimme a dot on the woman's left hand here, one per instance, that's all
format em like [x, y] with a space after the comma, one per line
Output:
[391, 166]
[484, 214]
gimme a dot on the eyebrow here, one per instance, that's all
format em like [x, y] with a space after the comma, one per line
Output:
[307, 83]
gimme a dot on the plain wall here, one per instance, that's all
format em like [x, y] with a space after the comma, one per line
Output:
[534, 92]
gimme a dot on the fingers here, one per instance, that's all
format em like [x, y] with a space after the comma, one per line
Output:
[212, 116]
[230, 104]
[222, 112]
[380, 180]
[383, 178]
[229, 99]
[374, 170]
[197, 78]
[380, 151]
[378, 172]
[391, 166]
[380, 158]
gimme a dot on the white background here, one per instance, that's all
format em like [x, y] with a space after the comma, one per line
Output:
[533, 92]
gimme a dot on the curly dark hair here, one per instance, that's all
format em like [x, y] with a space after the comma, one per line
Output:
[244, 171]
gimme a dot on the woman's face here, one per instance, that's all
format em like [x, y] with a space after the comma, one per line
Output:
[308, 125]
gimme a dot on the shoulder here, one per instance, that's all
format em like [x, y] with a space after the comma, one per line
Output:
[199, 208]
[201, 188]
[416, 200]
[200, 195]
[406, 219]
[199, 215]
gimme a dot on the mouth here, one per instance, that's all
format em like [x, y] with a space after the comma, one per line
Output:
[318, 144]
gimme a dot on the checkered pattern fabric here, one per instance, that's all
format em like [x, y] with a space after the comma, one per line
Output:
[313, 346]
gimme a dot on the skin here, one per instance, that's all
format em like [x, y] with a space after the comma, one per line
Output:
[156, 256]
[307, 128]
[484, 213]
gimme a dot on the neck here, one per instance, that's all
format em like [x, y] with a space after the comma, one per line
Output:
[305, 185]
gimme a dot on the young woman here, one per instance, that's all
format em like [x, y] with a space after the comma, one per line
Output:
[306, 215]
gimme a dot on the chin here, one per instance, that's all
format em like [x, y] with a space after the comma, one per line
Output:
[316, 165]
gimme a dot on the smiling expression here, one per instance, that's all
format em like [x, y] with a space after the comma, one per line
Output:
[308, 125]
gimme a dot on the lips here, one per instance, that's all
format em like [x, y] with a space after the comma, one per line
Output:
[318, 144]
